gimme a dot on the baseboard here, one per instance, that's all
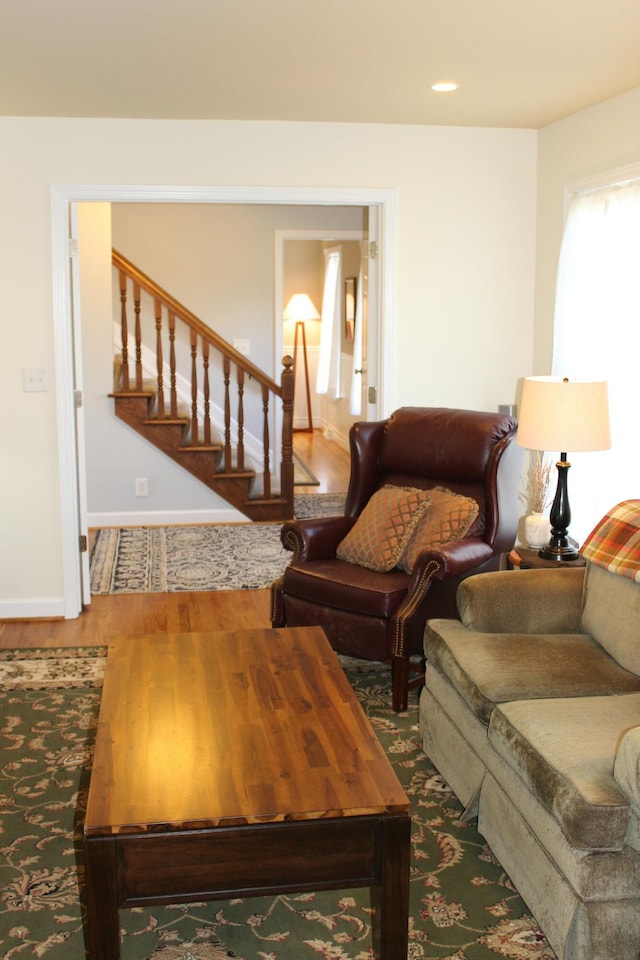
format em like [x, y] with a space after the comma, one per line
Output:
[45, 608]
[336, 436]
[165, 518]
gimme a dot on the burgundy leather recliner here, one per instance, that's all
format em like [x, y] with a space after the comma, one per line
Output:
[381, 616]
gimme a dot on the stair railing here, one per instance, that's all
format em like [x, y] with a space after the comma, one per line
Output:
[168, 314]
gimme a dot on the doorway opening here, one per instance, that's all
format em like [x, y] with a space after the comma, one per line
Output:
[381, 204]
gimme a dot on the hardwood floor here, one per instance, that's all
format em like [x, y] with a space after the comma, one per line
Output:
[326, 460]
[137, 613]
[131, 614]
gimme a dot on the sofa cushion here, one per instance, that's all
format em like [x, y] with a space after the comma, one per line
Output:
[491, 668]
[382, 530]
[564, 751]
[611, 614]
[448, 517]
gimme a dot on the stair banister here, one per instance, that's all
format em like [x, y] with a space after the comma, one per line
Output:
[185, 439]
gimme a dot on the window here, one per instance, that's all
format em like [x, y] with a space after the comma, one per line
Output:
[597, 334]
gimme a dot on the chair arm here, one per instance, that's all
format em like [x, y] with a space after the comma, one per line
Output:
[448, 563]
[316, 538]
[532, 601]
[453, 559]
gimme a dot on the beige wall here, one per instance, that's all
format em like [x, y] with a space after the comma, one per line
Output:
[462, 304]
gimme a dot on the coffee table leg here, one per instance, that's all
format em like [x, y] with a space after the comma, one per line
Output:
[391, 897]
[102, 927]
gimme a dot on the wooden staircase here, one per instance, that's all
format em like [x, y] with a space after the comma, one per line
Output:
[213, 452]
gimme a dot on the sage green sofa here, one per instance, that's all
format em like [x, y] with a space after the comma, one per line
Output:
[531, 713]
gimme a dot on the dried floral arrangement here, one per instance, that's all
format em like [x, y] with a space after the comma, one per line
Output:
[536, 497]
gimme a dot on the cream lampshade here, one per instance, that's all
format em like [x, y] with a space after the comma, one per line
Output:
[557, 413]
[300, 308]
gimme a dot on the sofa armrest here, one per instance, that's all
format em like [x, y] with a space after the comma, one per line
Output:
[535, 601]
[626, 768]
[315, 539]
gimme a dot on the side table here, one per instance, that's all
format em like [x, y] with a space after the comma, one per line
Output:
[522, 558]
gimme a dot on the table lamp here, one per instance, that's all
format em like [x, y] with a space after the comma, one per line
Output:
[557, 413]
[300, 309]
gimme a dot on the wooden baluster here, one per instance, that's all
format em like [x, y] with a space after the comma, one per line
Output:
[136, 307]
[195, 430]
[228, 463]
[207, 405]
[172, 364]
[124, 332]
[160, 412]
[240, 453]
[286, 465]
[265, 441]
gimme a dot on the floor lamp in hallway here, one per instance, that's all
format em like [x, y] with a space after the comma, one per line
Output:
[300, 308]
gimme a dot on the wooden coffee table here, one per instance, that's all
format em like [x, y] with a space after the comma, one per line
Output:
[238, 764]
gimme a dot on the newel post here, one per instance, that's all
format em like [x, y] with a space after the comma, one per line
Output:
[286, 465]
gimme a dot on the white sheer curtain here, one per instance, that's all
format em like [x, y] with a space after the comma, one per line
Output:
[597, 334]
[328, 378]
[355, 397]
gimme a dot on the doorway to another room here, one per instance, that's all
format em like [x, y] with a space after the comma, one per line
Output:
[321, 287]
[69, 373]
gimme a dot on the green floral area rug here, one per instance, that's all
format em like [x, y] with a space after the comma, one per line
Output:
[462, 907]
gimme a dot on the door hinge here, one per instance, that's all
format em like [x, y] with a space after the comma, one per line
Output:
[83, 543]
[372, 395]
[73, 247]
[373, 249]
[77, 399]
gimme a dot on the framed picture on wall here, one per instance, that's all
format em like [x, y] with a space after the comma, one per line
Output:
[349, 307]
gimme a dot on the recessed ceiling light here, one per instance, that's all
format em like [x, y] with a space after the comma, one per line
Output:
[444, 87]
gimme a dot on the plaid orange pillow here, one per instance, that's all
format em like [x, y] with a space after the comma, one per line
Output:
[449, 518]
[382, 530]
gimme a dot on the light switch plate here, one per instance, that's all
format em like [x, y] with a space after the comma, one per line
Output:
[35, 379]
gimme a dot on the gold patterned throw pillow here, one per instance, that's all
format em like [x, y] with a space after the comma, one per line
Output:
[449, 518]
[382, 530]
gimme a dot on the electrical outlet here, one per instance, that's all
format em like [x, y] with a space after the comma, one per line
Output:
[142, 487]
[243, 346]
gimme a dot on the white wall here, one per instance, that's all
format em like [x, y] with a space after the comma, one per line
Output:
[465, 270]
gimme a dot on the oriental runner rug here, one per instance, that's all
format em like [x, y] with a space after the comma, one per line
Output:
[462, 906]
[232, 556]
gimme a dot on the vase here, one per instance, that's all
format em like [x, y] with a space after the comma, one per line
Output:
[537, 530]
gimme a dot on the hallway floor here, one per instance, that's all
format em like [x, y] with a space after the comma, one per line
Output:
[326, 460]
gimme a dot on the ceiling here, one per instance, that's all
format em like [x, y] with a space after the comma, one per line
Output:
[517, 63]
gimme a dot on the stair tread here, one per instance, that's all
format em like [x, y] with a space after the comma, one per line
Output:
[201, 448]
[157, 422]
[125, 394]
[255, 501]
[233, 475]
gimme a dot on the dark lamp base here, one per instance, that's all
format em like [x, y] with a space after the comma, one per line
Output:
[561, 547]
[560, 553]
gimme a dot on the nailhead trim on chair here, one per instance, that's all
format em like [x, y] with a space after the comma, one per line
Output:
[417, 596]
